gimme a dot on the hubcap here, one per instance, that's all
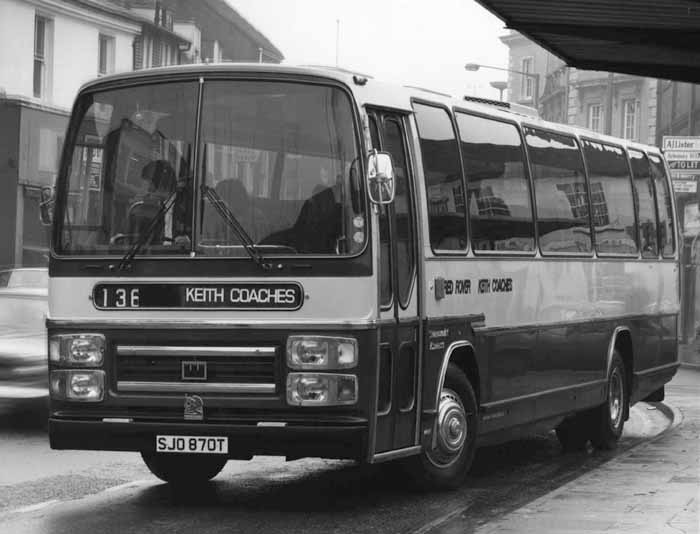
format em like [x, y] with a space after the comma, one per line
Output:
[615, 397]
[452, 429]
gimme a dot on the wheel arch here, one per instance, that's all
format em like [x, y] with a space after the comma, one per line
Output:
[463, 355]
[621, 340]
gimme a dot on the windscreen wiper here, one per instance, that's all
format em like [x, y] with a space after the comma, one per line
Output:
[125, 262]
[227, 215]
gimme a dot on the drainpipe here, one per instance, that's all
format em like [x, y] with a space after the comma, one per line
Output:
[609, 105]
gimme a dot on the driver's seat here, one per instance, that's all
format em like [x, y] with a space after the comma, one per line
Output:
[139, 216]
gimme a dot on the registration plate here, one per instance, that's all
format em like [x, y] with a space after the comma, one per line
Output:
[192, 444]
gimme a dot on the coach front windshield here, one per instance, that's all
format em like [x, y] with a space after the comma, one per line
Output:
[283, 158]
[280, 158]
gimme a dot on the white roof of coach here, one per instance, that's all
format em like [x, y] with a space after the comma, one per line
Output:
[369, 91]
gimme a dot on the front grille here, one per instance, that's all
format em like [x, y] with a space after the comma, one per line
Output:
[228, 369]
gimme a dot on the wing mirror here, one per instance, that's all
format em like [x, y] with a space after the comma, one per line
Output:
[46, 206]
[380, 177]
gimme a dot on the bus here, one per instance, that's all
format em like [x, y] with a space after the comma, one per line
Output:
[255, 259]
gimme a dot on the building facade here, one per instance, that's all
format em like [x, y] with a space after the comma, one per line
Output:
[49, 48]
[615, 104]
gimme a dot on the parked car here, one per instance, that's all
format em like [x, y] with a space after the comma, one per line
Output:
[26, 277]
[23, 348]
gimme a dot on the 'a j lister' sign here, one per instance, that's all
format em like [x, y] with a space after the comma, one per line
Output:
[682, 144]
[683, 157]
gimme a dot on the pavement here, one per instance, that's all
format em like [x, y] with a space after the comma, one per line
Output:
[653, 488]
[689, 353]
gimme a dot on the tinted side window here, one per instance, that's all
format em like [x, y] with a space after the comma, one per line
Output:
[611, 198]
[667, 241]
[500, 211]
[561, 197]
[443, 178]
[646, 204]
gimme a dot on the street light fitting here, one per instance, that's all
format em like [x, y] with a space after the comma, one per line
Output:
[533, 75]
[501, 86]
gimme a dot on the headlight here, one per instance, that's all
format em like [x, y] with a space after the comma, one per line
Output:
[85, 386]
[321, 352]
[321, 389]
[83, 350]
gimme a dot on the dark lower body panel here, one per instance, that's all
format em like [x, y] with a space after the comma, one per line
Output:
[245, 441]
[648, 381]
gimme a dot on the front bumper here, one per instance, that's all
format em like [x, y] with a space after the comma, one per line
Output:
[346, 441]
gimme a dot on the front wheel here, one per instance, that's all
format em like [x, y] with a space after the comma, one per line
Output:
[609, 418]
[183, 469]
[446, 465]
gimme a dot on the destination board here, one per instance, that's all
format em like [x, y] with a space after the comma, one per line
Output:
[179, 296]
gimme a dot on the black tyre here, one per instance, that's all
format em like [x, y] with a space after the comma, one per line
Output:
[609, 418]
[574, 433]
[447, 464]
[183, 469]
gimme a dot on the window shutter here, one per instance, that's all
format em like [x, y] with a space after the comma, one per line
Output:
[138, 53]
[157, 53]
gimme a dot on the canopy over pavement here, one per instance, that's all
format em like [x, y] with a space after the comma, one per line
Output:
[660, 39]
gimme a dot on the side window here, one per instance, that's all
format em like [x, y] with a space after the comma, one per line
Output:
[667, 238]
[385, 289]
[500, 211]
[443, 178]
[373, 132]
[403, 227]
[646, 204]
[561, 198]
[611, 198]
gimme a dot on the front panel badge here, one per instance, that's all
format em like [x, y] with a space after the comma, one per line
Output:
[194, 408]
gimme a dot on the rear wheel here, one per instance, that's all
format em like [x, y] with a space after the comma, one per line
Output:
[573, 434]
[609, 418]
[446, 465]
[181, 469]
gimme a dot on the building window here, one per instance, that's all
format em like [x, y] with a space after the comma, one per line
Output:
[157, 59]
[599, 206]
[578, 200]
[630, 119]
[105, 55]
[163, 17]
[527, 82]
[595, 117]
[42, 54]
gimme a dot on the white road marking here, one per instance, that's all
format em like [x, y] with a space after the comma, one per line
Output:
[34, 507]
[132, 484]
[440, 520]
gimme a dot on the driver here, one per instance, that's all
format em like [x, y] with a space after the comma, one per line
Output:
[160, 180]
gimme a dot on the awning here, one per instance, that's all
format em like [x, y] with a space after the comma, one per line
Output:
[657, 38]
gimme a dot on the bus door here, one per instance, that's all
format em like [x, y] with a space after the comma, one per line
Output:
[397, 407]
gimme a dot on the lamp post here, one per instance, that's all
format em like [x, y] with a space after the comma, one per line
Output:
[473, 67]
[501, 86]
